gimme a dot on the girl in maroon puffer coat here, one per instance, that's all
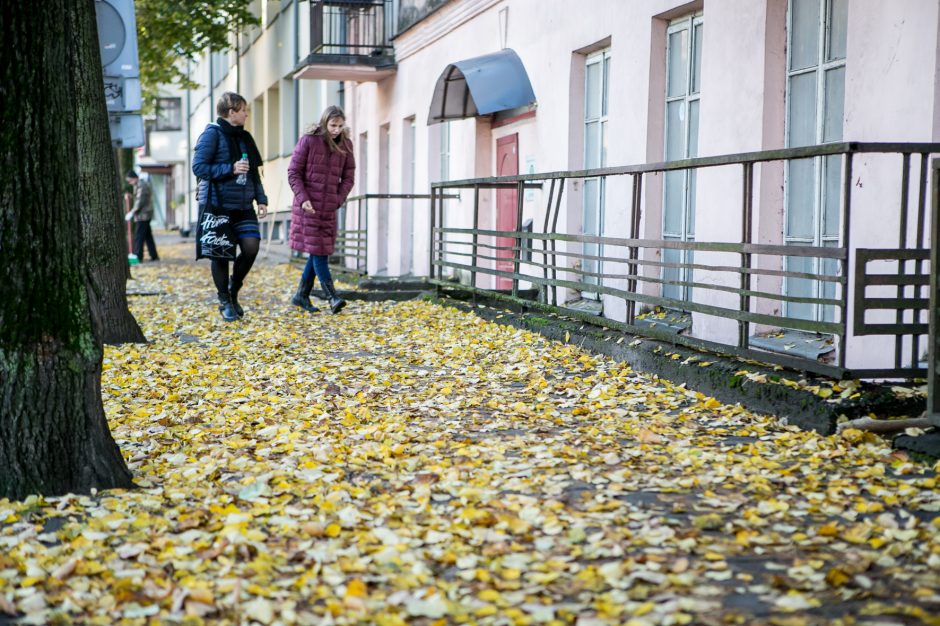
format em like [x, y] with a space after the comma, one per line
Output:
[321, 174]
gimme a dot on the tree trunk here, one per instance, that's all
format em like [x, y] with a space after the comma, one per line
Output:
[54, 437]
[103, 226]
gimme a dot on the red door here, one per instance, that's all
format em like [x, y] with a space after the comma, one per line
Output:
[507, 164]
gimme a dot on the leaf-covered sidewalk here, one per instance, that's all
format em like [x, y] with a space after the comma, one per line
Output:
[411, 464]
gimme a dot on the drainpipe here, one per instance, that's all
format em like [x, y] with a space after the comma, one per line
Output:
[211, 85]
[294, 62]
[189, 153]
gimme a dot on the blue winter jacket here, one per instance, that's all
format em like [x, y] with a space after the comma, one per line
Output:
[211, 162]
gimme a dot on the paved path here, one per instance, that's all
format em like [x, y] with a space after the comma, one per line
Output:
[406, 463]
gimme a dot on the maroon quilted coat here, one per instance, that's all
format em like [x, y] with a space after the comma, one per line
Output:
[325, 178]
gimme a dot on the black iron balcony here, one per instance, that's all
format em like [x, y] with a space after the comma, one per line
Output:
[350, 40]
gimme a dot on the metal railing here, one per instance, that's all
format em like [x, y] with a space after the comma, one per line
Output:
[738, 286]
[352, 237]
[933, 342]
[351, 27]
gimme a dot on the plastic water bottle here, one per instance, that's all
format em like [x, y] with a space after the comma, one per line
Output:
[242, 179]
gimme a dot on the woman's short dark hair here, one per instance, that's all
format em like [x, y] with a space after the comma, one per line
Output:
[229, 101]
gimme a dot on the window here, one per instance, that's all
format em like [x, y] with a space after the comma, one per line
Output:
[409, 154]
[408, 187]
[596, 89]
[445, 151]
[255, 122]
[270, 9]
[683, 94]
[816, 44]
[169, 114]
[289, 127]
[221, 62]
[272, 147]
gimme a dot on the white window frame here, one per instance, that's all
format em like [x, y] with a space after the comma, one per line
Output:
[601, 57]
[821, 68]
[444, 150]
[687, 229]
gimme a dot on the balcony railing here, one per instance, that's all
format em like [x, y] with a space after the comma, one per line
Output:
[735, 289]
[351, 27]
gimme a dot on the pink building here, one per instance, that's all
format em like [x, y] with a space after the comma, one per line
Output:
[755, 249]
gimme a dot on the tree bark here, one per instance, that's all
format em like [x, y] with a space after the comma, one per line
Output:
[54, 437]
[103, 225]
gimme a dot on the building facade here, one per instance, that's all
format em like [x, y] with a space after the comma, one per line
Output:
[435, 90]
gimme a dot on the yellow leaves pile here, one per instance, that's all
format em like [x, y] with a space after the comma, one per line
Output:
[408, 463]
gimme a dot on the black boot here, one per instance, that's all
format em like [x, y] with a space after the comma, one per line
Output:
[233, 289]
[302, 297]
[336, 303]
[226, 308]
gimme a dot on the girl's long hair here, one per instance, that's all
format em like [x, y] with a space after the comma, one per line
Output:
[338, 144]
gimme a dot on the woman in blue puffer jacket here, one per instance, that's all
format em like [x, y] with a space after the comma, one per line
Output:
[217, 163]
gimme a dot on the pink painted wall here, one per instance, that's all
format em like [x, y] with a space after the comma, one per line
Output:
[891, 95]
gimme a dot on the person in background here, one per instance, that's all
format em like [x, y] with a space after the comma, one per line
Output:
[142, 213]
[321, 174]
[218, 164]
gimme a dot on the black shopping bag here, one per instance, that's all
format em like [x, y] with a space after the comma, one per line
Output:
[215, 238]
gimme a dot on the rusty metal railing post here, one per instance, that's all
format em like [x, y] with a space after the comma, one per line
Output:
[548, 214]
[517, 248]
[846, 243]
[902, 243]
[476, 235]
[919, 243]
[933, 344]
[634, 251]
[561, 192]
[431, 234]
[747, 227]
[365, 233]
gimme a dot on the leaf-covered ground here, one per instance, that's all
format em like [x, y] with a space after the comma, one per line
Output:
[411, 464]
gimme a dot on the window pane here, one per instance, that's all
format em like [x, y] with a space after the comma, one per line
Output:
[804, 35]
[690, 219]
[675, 130]
[801, 118]
[592, 87]
[678, 64]
[591, 226]
[800, 287]
[693, 129]
[835, 100]
[672, 274]
[830, 267]
[169, 114]
[606, 96]
[800, 204]
[603, 162]
[832, 195]
[592, 200]
[838, 20]
[673, 202]
[592, 147]
[697, 59]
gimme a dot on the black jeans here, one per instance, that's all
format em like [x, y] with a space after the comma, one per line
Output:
[142, 235]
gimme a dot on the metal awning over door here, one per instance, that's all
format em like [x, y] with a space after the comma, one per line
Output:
[480, 86]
